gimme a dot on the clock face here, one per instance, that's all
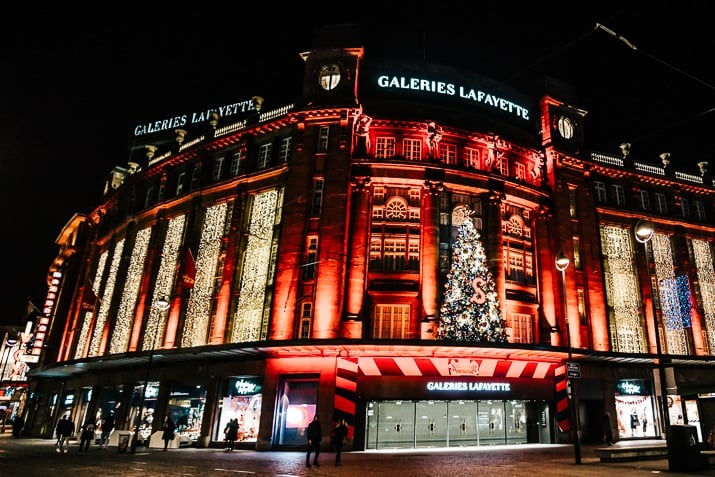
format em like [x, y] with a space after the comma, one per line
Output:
[329, 77]
[566, 127]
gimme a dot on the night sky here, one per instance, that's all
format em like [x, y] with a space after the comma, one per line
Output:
[75, 83]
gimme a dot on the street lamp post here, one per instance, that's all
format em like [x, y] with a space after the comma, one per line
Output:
[162, 304]
[644, 231]
[562, 262]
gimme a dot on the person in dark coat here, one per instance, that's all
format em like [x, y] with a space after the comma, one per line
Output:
[87, 436]
[168, 428]
[231, 433]
[339, 434]
[64, 429]
[315, 435]
[107, 427]
[17, 424]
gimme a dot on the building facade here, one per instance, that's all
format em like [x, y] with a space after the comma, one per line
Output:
[269, 262]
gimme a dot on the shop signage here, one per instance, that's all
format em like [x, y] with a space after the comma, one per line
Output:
[468, 386]
[246, 387]
[631, 387]
[194, 118]
[404, 84]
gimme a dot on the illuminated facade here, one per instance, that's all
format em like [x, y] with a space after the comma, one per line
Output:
[269, 262]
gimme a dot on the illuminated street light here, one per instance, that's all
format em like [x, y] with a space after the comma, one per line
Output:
[644, 231]
[562, 262]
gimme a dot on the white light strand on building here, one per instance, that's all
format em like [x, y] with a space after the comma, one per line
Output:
[706, 279]
[198, 311]
[98, 332]
[247, 321]
[622, 290]
[675, 339]
[164, 281]
[132, 283]
[83, 338]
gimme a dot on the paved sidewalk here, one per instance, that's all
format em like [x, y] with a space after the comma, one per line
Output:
[38, 457]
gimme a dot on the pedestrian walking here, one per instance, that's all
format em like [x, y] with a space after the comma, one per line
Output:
[17, 424]
[168, 428]
[315, 435]
[339, 433]
[64, 429]
[107, 428]
[231, 433]
[87, 436]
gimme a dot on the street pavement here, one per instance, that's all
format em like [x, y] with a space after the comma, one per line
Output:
[37, 457]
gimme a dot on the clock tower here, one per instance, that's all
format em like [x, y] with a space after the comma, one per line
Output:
[331, 67]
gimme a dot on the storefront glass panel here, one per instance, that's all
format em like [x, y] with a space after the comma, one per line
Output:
[141, 412]
[634, 409]
[431, 424]
[462, 423]
[297, 404]
[421, 424]
[241, 400]
[186, 408]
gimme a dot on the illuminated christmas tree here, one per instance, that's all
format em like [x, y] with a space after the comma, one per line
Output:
[470, 309]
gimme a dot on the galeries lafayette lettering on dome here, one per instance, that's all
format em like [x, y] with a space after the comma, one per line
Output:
[448, 85]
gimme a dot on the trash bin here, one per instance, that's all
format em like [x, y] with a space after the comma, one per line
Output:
[684, 449]
[123, 439]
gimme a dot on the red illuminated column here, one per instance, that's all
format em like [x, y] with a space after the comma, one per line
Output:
[430, 257]
[357, 259]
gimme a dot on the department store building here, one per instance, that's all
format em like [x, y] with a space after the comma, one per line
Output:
[268, 262]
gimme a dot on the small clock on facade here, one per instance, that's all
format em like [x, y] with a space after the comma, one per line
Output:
[566, 127]
[329, 77]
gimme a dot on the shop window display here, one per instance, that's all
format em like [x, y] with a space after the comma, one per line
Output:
[297, 404]
[635, 412]
[241, 400]
[186, 408]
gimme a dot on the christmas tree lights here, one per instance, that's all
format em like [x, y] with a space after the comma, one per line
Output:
[470, 309]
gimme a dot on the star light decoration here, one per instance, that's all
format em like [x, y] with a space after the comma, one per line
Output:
[470, 309]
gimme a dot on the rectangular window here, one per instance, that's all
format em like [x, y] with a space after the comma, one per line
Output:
[619, 195]
[661, 204]
[699, 209]
[572, 202]
[412, 149]
[391, 321]
[520, 171]
[685, 207]
[581, 306]
[149, 197]
[503, 166]
[235, 164]
[385, 147]
[311, 257]
[316, 204]
[196, 177]
[645, 200]
[162, 192]
[181, 183]
[471, 157]
[284, 150]
[306, 316]
[600, 189]
[323, 138]
[577, 253]
[264, 156]
[217, 173]
[521, 329]
[448, 154]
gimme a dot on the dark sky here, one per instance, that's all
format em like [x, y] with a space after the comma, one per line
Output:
[75, 82]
